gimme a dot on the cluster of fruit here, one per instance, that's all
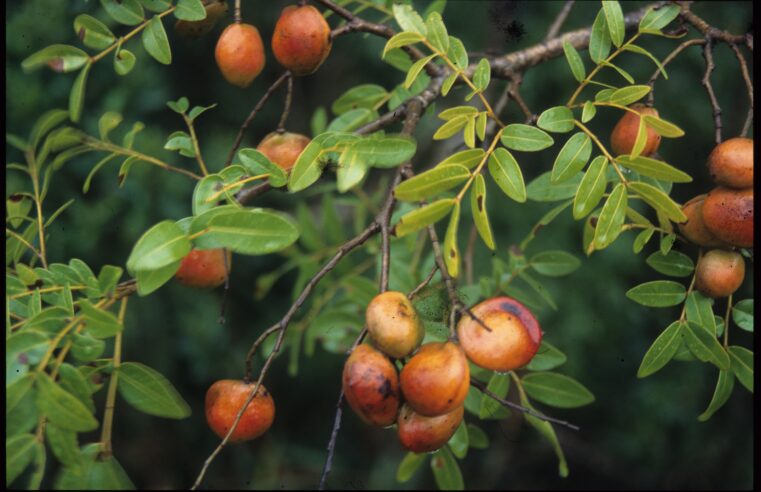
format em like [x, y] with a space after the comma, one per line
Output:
[426, 398]
[723, 219]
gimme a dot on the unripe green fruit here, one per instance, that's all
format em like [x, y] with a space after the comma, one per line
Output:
[393, 324]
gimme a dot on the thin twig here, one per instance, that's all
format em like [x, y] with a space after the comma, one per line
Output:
[287, 107]
[678, 50]
[559, 20]
[706, 81]
[748, 85]
[422, 284]
[482, 386]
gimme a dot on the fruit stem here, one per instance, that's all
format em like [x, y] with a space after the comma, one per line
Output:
[236, 13]
[196, 148]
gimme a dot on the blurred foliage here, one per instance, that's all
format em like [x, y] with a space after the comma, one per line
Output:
[638, 434]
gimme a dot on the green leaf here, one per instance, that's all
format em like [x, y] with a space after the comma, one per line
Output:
[77, 94]
[599, 41]
[257, 163]
[742, 365]
[547, 357]
[457, 54]
[451, 127]
[611, 219]
[458, 443]
[604, 95]
[409, 465]
[19, 452]
[659, 201]
[704, 346]
[161, 245]
[446, 472]
[409, 20]
[156, 6]
[127, 12]
[588, 112]
[658, 293]
[124, 60]
[350, 171]
[591, 189]
[647, 166]
[721, 394]
[642, 51]
[150, 280]
[150, 392]
[249, 232]
[59, 57]
[742, 314]
[63, 443]
[525, 138]
[450, 250]
[545, 428]
[190, 10]
[94, 473]
[362, 96]
[615, 20]
[61, 407]
[662, 350]
[415, 70]
[99, 323]
[655, 20]
[455, 111]
[574, 61]
[384, 152]
[85, 348]
[623, 73]
[446, 86]
[424, 216]
[351, 120]
[482, 75]
[674, 264]
[572, 157]
[107, 122]
[556, 390]
[541, 189]
[627, 95]
[308, 167]
[205, 189]
[477, 437]
[554, 263]
[506, 172]
[399, 40]
[92, 32]
[478, 207]
[499, 384]
[558, 119]
[437, 32]
[155, 41]
[699, 310]
[431, 182]
[663, 127]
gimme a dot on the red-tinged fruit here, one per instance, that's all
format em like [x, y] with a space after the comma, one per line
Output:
[204, 268]
[240, 54]
[728, 215]
[301, 40]
[436, 379]
[513, 340]
[730, 163]
[371, 386]
[719, 273]
[393, 324]
[421, 434]
[694, 229]
[283, 148]
[624, 134]
[224, 400]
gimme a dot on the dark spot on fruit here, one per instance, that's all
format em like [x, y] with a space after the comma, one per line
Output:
[510, 308]
[385, 389]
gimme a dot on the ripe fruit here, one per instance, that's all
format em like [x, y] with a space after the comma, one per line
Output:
[371, 386]
[240, 54]
[283, 148]
[393, 324]
[731, 163]
[421, 434]
[695, 229]
[625, 132]
[215, 10]
[728, 215]
[204, 268]
[513, 340]
[435, 381]
[719, 273]
[223, 402]
[301, 40]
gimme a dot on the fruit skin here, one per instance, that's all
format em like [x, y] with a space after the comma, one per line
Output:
[731, 163]
[215, 10]
[694, 229]
[513, 340]
[204, 268]
[436, 379]
[728, 215]
[223, 402]
[393, 324]
[301, 40]
[371, 386]
[719, 273]
[625, 132]
[240, 54]
[283, 148]
[421, 434]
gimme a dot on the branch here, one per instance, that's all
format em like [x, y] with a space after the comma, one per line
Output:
[706, 81]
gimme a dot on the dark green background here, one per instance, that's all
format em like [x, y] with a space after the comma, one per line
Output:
[638, 434]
